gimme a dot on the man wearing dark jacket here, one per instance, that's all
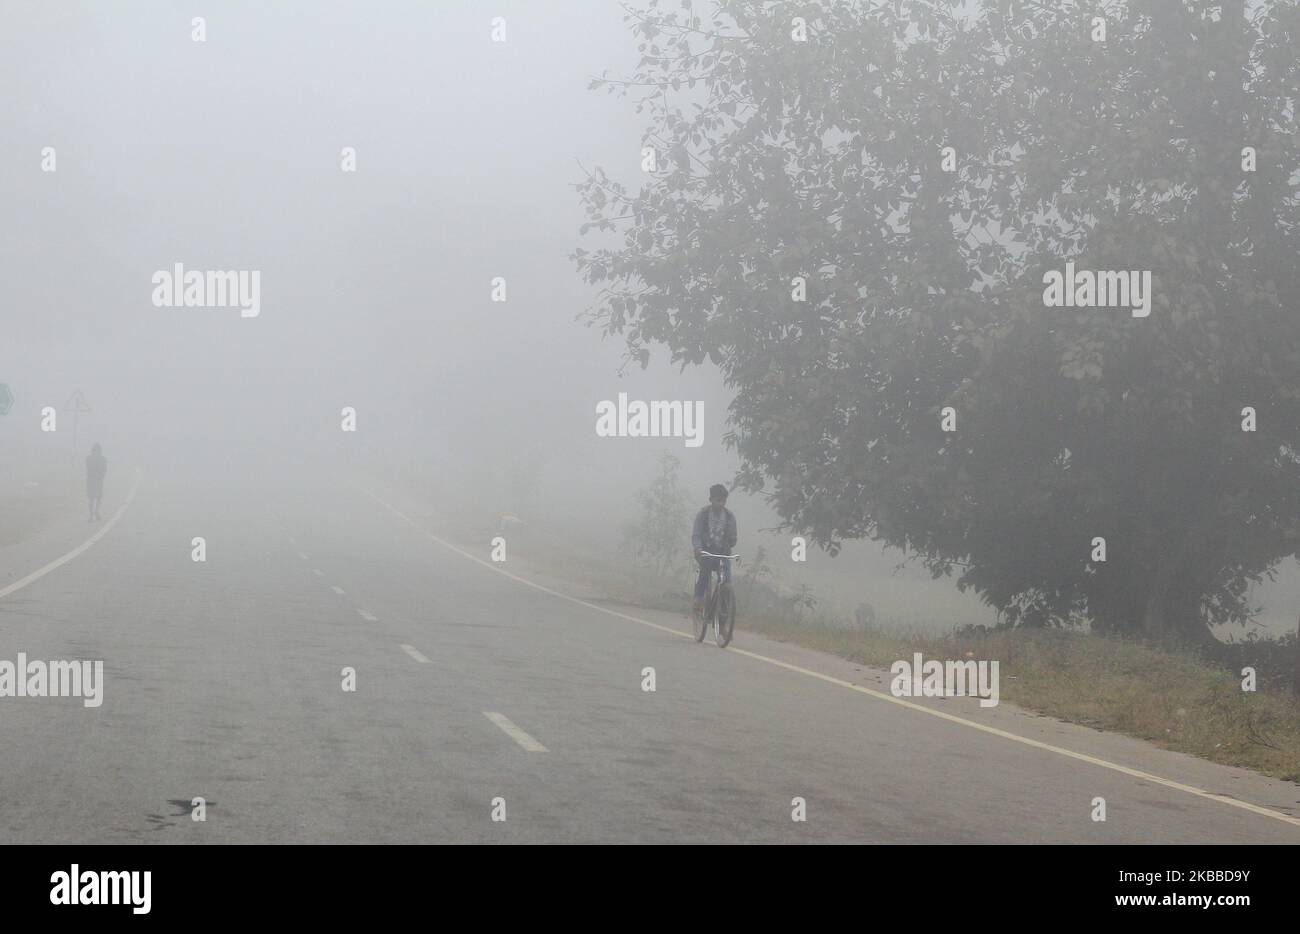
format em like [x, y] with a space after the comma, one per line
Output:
[715, 532]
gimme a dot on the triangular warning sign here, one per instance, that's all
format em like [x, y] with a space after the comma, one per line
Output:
[77, 403]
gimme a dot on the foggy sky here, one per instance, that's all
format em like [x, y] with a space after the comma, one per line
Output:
[375, 285]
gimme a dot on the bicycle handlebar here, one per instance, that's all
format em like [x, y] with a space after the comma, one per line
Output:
[710, 555]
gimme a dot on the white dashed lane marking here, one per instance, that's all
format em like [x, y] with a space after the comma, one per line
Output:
[518, 735]
[414, 653]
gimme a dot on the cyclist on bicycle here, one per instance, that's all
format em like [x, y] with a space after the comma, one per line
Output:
[714, 531]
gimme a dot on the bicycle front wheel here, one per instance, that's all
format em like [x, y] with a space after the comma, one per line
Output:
[726, 616]
[700, 620]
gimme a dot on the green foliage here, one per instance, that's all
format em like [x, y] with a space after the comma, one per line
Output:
[661, 535]
[821, 159]
[797, 603]
[755, 571]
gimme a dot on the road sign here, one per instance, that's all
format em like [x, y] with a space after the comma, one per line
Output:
[6, 399]
[77, 403]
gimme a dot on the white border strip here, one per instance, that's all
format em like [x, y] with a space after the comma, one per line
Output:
[60, 562]
[879, 695]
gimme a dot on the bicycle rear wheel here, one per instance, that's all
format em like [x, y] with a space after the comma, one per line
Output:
[726, 616]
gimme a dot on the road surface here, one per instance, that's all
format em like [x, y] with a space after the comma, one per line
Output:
[223, 679]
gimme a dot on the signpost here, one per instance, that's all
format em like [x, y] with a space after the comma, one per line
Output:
[76, 404]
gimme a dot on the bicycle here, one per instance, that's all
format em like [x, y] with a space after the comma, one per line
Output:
[719, 605]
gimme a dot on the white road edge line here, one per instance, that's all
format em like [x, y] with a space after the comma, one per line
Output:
[414, 653]
[368, 617]
[59, 562]
[879, 695]
[518, 735]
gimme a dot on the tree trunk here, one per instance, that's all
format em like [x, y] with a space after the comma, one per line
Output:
[1295, 686]
[1173, 613]
[1155, 617]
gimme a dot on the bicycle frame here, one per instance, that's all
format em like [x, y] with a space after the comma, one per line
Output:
[716, 579]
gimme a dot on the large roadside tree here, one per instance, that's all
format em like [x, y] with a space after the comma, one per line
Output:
[1128, 149]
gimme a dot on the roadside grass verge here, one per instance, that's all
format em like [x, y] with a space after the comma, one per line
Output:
[1172, 699]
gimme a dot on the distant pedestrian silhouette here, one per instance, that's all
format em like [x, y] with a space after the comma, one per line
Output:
[96, 468]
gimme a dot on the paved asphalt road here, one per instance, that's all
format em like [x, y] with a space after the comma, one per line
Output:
[223, 680]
